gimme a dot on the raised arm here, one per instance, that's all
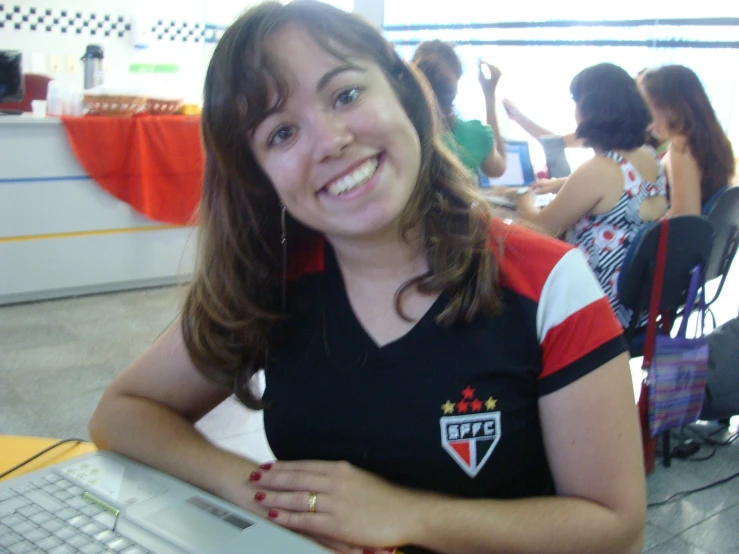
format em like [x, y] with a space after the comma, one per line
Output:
[495, 163]
[536, 130]
[149, 411]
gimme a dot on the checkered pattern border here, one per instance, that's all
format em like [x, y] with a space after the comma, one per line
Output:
[73, 22]
[183, 31]
[70, 22]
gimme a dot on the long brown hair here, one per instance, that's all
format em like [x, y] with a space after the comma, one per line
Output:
[234, 298]
[677, 90]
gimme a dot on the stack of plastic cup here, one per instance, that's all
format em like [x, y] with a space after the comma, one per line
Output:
[55, 99]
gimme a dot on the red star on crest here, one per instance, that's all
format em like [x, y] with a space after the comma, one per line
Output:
[462, 406]
[476, 405]
[468, 393]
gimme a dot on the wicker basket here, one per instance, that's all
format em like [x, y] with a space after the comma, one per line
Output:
[114, 104]
[161, 106]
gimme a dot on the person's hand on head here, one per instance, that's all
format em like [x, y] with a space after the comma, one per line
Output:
[489, 76]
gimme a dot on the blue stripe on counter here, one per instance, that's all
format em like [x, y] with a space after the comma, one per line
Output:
[42, 179]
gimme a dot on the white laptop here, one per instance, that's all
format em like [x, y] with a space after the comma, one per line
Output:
[519, 172]
[102, 502]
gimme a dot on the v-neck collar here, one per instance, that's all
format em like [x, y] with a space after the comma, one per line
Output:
[346, 338]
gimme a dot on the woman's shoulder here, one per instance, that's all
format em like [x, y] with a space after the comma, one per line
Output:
[680, 147]
[526, 257]
[471, 128]
[680, 156]
[598, 164]
[600, 173]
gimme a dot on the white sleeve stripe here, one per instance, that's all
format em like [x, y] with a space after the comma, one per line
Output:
[570, 287]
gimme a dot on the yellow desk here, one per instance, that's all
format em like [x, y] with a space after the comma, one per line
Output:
[15, 449]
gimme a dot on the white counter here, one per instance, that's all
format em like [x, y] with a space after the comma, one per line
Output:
[62, 235]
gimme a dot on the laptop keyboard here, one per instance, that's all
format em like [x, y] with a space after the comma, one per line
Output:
[50, 515]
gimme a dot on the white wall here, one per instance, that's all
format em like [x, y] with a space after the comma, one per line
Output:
[41, 44]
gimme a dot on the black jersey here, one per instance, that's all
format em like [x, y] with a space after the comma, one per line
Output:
[452, 410]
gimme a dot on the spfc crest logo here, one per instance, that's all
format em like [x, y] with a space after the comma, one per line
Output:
[470, 438]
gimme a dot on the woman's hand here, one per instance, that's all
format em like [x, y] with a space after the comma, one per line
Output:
[512, 110]
[505, 192]
[547, 186]
[338, 504]
[489, 76]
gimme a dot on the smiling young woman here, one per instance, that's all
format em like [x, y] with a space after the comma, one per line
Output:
[399, 306]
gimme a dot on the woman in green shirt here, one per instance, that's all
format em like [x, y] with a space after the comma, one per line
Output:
[477, 145]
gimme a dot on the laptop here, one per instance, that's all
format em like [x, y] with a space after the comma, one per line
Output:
[519, 172]
[554, 152]
[103, 502]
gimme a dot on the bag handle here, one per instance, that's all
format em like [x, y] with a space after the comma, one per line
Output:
[656, 298]
[690, 301]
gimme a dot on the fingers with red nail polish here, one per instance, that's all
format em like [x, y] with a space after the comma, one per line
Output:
[255, 476]
[266, 467]
[273, 514]
[260, 496]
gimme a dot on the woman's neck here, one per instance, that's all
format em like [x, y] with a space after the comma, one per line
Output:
[679, 142]
[390, 259]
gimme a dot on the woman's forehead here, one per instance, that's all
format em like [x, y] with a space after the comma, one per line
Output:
[293, 47]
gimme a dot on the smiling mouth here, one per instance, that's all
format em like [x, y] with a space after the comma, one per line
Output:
[356, 178]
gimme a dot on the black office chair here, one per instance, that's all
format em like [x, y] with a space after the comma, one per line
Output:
[723, 212]
[690, 241]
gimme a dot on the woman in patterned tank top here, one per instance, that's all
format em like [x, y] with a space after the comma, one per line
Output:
[605, 202]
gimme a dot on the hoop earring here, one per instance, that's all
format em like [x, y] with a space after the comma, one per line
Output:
[283, 241]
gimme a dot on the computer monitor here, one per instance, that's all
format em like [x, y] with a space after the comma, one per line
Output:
[11, 76]
[519, 169]
[554, 152]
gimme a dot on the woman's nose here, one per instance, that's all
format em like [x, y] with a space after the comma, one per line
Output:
[331, 135]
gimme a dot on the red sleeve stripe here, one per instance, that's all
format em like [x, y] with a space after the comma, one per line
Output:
[592, 360]
[578, 335]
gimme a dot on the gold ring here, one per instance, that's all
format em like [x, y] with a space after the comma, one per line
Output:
[312, 499]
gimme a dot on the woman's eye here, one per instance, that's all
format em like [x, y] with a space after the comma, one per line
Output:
[281, 135]
[347, 97]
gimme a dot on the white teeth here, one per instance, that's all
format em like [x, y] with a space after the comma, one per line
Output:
[357, 177]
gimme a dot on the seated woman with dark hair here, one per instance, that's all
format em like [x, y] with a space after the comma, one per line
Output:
[699, 161]
[604, 203]
[478, 146]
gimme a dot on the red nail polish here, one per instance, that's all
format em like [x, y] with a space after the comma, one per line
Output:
[266, 467]
[260, 496]
[273, 514]
[255, 476]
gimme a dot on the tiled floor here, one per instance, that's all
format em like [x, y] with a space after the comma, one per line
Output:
[57, 357]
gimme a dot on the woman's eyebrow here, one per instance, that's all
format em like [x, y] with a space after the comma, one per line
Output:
[323, 81]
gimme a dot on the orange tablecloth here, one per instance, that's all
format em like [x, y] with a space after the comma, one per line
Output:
[153, 163]
[15, 449]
